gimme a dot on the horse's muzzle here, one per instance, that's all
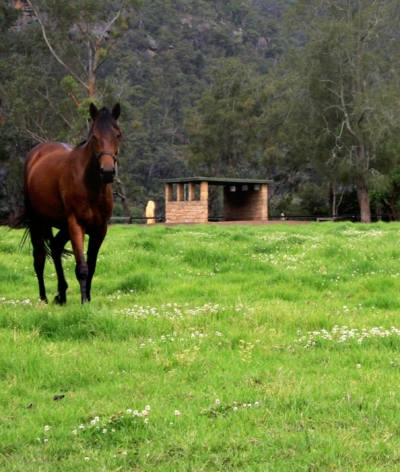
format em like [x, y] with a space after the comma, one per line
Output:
[107, 174]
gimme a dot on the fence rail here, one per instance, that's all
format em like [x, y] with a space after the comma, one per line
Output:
[215, 219]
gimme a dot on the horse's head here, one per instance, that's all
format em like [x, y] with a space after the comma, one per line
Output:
[106, 137]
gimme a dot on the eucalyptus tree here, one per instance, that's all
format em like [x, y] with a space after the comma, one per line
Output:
[81, 35]
[350, 62]
[224, 126]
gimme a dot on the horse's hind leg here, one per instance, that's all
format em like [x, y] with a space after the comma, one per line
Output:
[57, 246]
[39, 259]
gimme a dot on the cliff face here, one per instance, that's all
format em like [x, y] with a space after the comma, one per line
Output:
[27, 13]
[22, 5]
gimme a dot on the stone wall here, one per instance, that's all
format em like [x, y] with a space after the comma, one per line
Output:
[246, 202]
[182, 205]
[186, 212]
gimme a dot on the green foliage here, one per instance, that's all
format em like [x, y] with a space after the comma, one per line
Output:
[69, 84]
[224, 126]
[84, 107]
[347, 61]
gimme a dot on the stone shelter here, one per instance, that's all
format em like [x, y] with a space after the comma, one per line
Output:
[187, 199]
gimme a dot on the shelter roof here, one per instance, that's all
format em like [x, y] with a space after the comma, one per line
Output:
[216, 181]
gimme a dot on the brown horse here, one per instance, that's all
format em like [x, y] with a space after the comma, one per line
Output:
[69, 188]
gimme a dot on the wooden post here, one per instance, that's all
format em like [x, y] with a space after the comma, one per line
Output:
[151, 212]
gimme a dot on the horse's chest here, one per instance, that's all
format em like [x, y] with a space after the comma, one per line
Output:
[94, 210]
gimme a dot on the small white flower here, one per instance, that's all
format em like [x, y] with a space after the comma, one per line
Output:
[147, 408]
[81, 426]
[217, 401]
[45, 440]
[46, 428]
[358, 366]
[235, 408]
[177, 413]
[75, 431]
[256, 404]
[104, 431]
[87, 459]
[129, 411]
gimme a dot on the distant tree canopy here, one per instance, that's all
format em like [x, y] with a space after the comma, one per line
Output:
[302, 92]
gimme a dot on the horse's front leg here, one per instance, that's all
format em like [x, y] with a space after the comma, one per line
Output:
[77, 236]
[95, 241]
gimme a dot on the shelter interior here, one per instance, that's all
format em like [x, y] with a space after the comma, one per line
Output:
[187, 200]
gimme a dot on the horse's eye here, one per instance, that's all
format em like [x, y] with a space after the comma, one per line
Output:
[118, 135]
[95, 137]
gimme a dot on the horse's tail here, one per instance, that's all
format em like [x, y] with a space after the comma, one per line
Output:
[22, 220]
[18, 221]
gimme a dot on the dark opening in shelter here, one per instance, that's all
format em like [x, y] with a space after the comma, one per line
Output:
[187, 199]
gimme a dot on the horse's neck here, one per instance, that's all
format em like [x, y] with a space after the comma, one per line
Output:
[91, 171]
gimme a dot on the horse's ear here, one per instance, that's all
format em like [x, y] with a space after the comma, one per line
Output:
[93, 111]
[116, 111]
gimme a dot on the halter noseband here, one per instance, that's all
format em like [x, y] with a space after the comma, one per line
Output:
[101, 153]
[114, 156]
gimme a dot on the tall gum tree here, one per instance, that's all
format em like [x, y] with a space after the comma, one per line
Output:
[81, 35]
[350, 61]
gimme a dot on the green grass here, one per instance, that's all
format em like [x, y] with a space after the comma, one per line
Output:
[271, 348]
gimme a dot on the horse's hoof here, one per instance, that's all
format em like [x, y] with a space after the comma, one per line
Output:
[59, 301]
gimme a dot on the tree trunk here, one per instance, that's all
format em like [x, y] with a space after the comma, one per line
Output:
[120, 192]
[363, 201]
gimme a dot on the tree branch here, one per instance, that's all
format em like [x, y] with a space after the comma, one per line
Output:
[35, 136]
[46, 97]
[75, 76]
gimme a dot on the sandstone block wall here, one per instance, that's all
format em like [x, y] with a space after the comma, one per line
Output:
[246, 204]
[183, 206]
[186, 212]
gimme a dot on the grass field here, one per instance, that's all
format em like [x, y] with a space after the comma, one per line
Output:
[207, 348]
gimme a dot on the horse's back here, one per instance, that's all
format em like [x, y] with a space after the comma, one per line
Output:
[44, 166]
